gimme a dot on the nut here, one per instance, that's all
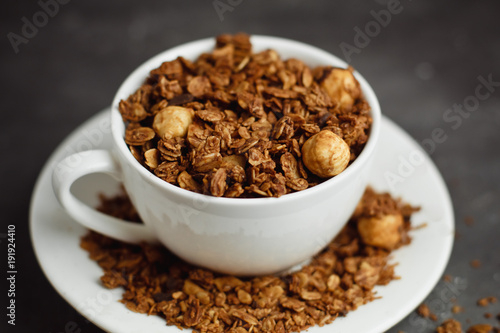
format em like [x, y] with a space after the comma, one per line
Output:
[367, 276]
[274, 292]
[249, 113]
[173, 121]
[325, 154]
[381, 231]
[310, 295]
[190, 288]
[342, 86]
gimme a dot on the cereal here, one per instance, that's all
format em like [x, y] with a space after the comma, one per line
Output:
[381, 231]
[380, 220]
[453, 326]
[450, 326]
[338, 280]
[173, 121]
[475, 263]
[341, 86]
[469, 220]
[286, 126]
[424, 312]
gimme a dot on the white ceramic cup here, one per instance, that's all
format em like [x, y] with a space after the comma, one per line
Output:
[238, 236]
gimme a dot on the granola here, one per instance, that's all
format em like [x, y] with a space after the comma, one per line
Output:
[424, 312]
[338, 280]
[235, 123]
[450, 326]
[480, 328]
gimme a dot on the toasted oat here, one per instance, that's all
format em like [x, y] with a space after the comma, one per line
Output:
[381, 219]
[138, 136]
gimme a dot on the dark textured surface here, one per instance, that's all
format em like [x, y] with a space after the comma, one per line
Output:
[427, 59]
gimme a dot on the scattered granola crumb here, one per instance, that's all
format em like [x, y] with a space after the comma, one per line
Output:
[488, 315]
[480, 328]
[450, 326]
[469, 220]
[486, 301]
[155, 282]
[447, 278]
[457, 309]
[475, 263]
[424, 312]
[191, 121]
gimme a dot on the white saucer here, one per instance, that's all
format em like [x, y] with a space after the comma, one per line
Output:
[56, 237]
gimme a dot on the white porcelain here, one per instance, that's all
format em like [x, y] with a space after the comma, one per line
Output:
[236, 236]
[56, 239]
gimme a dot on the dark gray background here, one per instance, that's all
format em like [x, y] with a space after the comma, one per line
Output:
[427, 59]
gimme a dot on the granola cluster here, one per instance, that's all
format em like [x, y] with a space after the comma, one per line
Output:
[239, 124]
[338, 280]
[454, 326]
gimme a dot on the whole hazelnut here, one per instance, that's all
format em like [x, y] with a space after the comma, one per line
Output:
[383, 231]
[173, 121]
[325, 154]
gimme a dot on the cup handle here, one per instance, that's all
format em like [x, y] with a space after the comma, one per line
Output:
[83, 163]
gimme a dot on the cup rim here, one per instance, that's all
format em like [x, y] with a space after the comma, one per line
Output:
[205, 45]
